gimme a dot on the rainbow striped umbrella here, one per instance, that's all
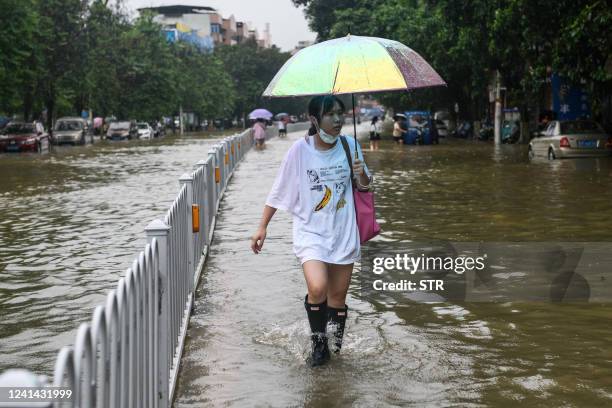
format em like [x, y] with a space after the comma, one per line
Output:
[352, 64]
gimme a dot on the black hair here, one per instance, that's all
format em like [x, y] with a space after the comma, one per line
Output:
[261, 120]
[319, 106]
[374, 119]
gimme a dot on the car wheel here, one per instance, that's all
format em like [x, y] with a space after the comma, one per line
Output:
[530, 153]
[551, 154]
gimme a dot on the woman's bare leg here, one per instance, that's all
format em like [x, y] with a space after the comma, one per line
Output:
[339, 279]
[315, 273]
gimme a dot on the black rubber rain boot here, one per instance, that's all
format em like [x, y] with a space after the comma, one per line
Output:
[317, 317]
[337, 317]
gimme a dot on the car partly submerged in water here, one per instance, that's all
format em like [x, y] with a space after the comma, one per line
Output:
[122, 130]
[72, 130]
[24, 137]
[571, 139]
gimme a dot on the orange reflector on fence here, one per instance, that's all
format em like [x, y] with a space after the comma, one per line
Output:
[195, 217]
[238, 145]
[226, 157]
[232, 148]
[217, 174]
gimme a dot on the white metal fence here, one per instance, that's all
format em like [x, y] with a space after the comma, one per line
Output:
[129, 354]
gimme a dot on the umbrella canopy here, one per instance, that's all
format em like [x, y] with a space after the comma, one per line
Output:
[281, 115]
[260, 114]
[352, 64]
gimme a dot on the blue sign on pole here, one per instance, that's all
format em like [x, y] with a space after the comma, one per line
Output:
[569, 101]
[85, 114]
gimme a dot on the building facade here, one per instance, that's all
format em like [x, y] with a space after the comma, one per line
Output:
[204, 26]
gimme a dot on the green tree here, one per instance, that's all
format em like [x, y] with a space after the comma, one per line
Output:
[59, 40]
[203, 84]
[102, 88]
[251, 68]
[146, 72]
[18, 23]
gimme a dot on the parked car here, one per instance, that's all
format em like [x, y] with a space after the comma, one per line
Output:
[571, 138]
[122, 130]
[72, 130]
[144, 130]
[24, 137]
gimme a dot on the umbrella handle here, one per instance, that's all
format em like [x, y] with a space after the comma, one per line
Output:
[354, 125]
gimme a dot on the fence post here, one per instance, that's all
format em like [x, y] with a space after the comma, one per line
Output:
[158, 230]
[212, 154]
[204, 222]
[187, 181]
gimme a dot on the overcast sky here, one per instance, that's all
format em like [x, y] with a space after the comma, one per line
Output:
[287, 23]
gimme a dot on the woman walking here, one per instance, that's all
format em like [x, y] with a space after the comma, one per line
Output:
[375, 131]
[315, 186]
[259, 133]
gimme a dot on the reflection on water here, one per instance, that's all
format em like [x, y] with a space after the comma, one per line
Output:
[248, 340]
[71, 222]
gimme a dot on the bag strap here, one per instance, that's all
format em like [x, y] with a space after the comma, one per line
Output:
[348, 155]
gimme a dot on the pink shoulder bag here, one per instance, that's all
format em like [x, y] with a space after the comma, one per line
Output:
[364, 204]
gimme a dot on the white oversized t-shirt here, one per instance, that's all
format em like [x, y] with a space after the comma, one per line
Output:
[314, 186]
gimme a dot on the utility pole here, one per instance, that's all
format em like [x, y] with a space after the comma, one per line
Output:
[498, 110]
[181, 125]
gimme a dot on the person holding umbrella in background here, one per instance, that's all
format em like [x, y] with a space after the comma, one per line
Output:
[260, 116]
[315, 180]
[259, 133]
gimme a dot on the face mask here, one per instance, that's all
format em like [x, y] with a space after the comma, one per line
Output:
[326, 137]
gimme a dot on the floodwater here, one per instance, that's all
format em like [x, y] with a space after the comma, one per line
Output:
[72, 221]
[248, 340]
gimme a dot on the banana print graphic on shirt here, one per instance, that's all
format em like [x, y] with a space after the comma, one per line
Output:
[325, 200]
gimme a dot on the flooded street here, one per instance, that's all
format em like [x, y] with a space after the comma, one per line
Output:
[71, 222]
[248, 339]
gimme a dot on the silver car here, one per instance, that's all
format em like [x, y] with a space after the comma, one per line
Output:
[571, 138]
[72, 130]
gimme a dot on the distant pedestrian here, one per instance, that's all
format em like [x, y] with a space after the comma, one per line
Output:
[282, 127]
[399, 128]
[375, 131]
[259, 133]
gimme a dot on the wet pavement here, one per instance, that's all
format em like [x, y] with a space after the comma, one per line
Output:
[248, 339]
[71, 222]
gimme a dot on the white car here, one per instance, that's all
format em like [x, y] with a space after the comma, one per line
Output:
[571, 138]
[144, 131]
